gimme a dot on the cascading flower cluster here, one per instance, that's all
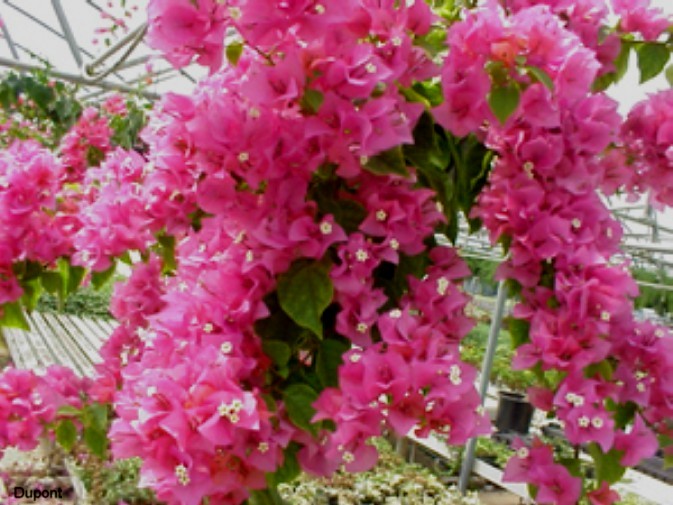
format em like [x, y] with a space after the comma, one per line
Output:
[34, 225]
[541, 197]
[645, 153]
[86, 144]
[293, 301]
[30, 401]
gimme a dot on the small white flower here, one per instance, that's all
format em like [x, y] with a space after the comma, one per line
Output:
[370, 68]
[396, 41]
[597, 423]
[584, 422]
[605, 316]
[249, 256]
[396, 313]
[253, 112]
[364, 160]
[235, 13]
[355, 358]
[442, 286]
[208, 327]
[640, 387]
[182, 474]
[362, 327]
[263, 447]
[319, 9]
[226, 347]
[348, 457]
[394, 244]
[528, 168]
[381, 215]
[576, 223]
[522, 452]
[361, 255]
[325, 227]
[243, 157]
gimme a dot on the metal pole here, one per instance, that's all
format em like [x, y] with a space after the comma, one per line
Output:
[9, 39]
[77, 79]
[487, 365]
[67, 31]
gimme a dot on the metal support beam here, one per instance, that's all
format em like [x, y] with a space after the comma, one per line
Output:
[67, 31]
[77, 79]
[9, 39]
[487, 365]
[131, 39]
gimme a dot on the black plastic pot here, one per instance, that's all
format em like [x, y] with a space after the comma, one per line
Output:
[514, 413]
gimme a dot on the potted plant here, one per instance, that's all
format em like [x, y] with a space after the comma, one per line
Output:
[514, 412]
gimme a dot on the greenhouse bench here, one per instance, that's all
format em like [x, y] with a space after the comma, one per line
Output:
[58, 339]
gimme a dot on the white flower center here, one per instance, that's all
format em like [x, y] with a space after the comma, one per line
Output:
[182, 474]
[361, 255]
[325, 227]
[442, 286]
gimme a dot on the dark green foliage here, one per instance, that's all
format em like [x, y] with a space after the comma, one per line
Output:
[87, 301]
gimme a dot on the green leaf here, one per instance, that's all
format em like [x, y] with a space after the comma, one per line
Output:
[669, 75]
[652, 58]
[290, 468]
[99, 279]
[607, 464]
[504, 100]
[602, 368]
[624, 413]
[519, 331]
[167, 243]
[234, 52]
[66, 434]
[52, 281]
[96, 441]
[278, 351]
[328, 361]
[304, 292]
[312, 100]
[622, 60]
[75, 276]
[540, 75]
[96, 416]
[69, 411]
[387, 162]
[32, 290]
[13, 316]
[298, 402]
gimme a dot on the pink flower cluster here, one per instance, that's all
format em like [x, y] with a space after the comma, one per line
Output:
[412, 379]
[644, 159]
[87, 142]
[245, 154]
[541, 197]
[34, 225]
[113, 216]
[29, 403]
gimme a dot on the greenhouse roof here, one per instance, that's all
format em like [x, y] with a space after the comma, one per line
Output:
[96, 43]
